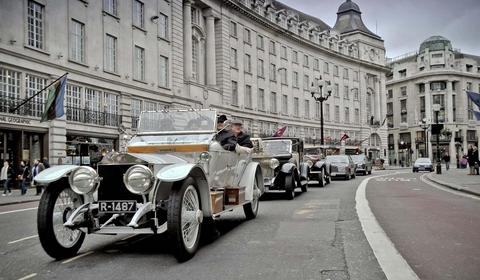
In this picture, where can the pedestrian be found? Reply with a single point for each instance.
(5, 177)
(36, 169)
(471, 160)
(476, 162)
(24, 176)
(446, 159)
(45, 162)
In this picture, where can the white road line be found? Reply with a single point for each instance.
(392, 263)
(445, 189)
(21, 239)
(19, 210)
(28, 276)
(77, 257)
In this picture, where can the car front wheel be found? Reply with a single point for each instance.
(56, 204)
(251, 209)
(184, 219)
(290, 185)
(320, 180)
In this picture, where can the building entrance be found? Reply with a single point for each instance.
(16, 146)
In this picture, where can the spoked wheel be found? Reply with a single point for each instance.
(184, 219)
(56, 205)
(251, 209)
(290, 185)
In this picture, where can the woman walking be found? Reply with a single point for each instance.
(24, 176)
(5, 176)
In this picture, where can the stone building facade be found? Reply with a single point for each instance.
(253, 60)
(436, 74)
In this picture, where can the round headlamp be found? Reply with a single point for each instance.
(309, 163)
(205, 156)
(274, 163)
(83, 180)
(138, 179)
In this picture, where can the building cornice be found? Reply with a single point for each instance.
(434, 74)
(287, 33)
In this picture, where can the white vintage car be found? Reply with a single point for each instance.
(173, 177)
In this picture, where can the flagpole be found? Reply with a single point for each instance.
(36, 94)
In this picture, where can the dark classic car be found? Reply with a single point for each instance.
(172, 179)
(364, 164)
(341, 166)
(290, 172)
(319, 168)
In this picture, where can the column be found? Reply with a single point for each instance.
(428, 116)
(449, 103)
(210, 48)
(187, 39)
(377, 100)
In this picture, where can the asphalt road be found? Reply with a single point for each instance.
(436, 231)
(315, 236)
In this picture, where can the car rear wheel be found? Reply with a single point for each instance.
(56, 204)
(320, 180)
(251, 209)
(290, 184)
(184, 219)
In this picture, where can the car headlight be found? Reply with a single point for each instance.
(205, 156)
(138, 179)
(274, 163)
(309, 163)
(83, 180)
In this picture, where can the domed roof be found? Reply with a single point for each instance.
(436, 43)
(348, 5)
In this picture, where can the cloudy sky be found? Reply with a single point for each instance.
(404, 24)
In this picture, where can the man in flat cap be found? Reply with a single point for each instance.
(242, 140)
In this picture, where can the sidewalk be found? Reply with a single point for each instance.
(16, 197)
(457, 179)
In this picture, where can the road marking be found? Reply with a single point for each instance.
(392, 263)
(28, 276)
(77, 257)
(19, 210)
(21, 239)
(445, 189)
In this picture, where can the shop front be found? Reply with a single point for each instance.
(88, 150)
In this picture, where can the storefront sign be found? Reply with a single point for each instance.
(15, 120)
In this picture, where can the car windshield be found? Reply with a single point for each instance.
(177, 121)
(311, 151)
(278, 147)
(140, 140)
(423, 160)
(337, 159)
(358, 157)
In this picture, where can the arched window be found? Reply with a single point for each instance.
(195, 58)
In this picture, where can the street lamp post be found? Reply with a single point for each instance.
(318, 96)
(424, 125)
(436, 109)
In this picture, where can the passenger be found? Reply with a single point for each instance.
(242, 140)
(224, 135)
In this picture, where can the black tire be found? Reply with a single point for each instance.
(320, 180)
(45, 226)
(354, 175)
(290, 187)
(174, 220)
(370, 172)
(328, 179)
(303, 187)
(251, 209)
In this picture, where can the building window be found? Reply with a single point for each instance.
(248, 63)
(335, 70)
(390, 93)
(247, 38)
(110, 6)
(402, 73)
(285, 104)
(295, 79)
(403, 91)
(355, 76)
(233, 58)
(470, 108)
(248, 96)
(110, 103)
(421, 88)
(261, 68)
(306, 61)
(403, 111)
(306, 82)
(347, 115)
(336, 91)
(138, 14)
(136, 110)
(283, 76)
(317, 110)
(316, 64)
(273, 72)
(233, 29)
(33, 85)
(163, 26)
(357, 115)
(73, 103)
(337, 113)
(9, 86)
(440, 99)
(283, 52)
(438, 85)
(326, 114)
(139, 72)
(272, 48)
(110, 53)
(326, 68)
(234, 93)
(149, 106)
(307, 109)
(345, 93)
(296, 106)
(345, 73)
(261, 99)
(273, 102)
(295, 56)
(163, 80)
(260, 43)
(195, 58)
(195, 16)
(356, 96)
(422, 107)
(77, 41)
(36, 25)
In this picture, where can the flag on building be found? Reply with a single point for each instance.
(280, 131)
(475, 97)
(476, 114)
(344, 137)
(54, 105)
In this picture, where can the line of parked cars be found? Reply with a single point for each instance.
(174, 178)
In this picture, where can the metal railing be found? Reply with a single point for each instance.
(32, 108)
(92, 117)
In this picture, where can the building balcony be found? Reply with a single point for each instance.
(92, 117)
(32, 108)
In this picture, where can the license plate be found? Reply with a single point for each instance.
(122, 206)
(421, 168)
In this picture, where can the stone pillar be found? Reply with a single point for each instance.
(449, 103)
(452, 149)
(210, 48)
(187, 39)
(377, 100)
(57, 138)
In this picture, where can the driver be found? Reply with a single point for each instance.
(243, 144)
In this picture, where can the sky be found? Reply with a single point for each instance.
(404, 24)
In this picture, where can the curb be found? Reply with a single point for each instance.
(452, 186)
